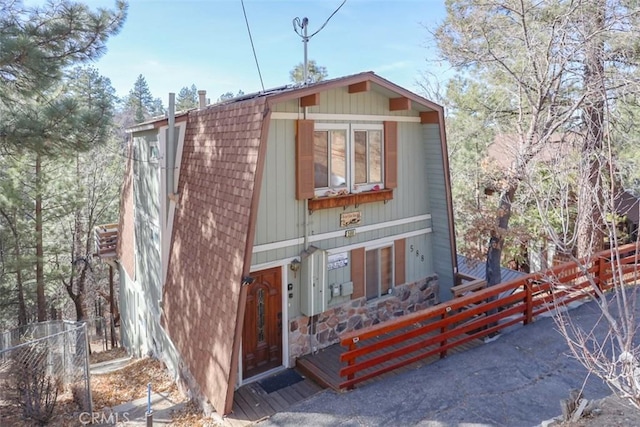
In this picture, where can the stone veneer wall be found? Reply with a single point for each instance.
(357, 314)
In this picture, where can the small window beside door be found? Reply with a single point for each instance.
(378, 272)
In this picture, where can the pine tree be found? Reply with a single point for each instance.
(187, 98)
(141, 103)
(38, 45)
(315, 72)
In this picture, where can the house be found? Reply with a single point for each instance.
(262, 228)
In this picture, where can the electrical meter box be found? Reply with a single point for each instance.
(313, 295)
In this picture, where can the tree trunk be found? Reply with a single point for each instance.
(496, 240)
(78, 303)
(17, 253)
(590, 221)
(40, 296)
(22, 309)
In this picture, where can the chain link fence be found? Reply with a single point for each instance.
(42, 360)
(103, 334)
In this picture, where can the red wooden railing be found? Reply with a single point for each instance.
(384, 347)
(106, 239)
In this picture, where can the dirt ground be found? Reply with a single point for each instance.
(611, 412)
(130, 383)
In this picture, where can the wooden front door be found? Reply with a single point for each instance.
(262, 332)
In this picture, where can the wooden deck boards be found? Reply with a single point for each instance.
(251, 403)
(321, 370)
(324, 366)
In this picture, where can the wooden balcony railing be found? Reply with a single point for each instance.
(106, 239)
(381, 348)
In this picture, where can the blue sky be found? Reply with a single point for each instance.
(176, 43)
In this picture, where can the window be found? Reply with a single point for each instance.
(368, 156)
(347, 158)
(378, 271)
(333, 159)
(330, 158)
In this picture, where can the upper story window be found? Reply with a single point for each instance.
(330, 158)
(347, 158)
(368, 157)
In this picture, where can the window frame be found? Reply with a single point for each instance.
(328, 127)
(351, 129)
(356, 188)
(378, 248)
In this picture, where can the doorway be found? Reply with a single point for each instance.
(262, 332)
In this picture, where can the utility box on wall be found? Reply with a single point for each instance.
(313, 295)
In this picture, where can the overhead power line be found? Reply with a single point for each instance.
(304, 26)
(252, 46)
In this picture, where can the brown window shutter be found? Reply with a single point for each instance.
(357, 272)
(399, 248)
(390, 154)
(304, 160)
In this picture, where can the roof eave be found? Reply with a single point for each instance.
(346, 81)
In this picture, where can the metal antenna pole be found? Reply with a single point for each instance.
(305, 40)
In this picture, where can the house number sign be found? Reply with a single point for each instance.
(350, 218)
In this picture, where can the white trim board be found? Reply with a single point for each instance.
(339, 233)
(369, 243)
(350, 117)
(168, 215)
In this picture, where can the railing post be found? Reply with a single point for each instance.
(528, 303)
(601, 271)
(352, 361)
(443, 330)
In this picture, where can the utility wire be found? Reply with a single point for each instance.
(297, 21)
(330, 16)
(252, 46)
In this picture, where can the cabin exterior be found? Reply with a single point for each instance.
(263, 228)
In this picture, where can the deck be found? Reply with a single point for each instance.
(320, 371)
(251, 403)
(324, 366)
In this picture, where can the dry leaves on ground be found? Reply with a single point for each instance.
(611, 412)
(130, 383)
(103, 356)
(191, 416)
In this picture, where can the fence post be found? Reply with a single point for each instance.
(352, 361)
(87, 377)
(443, 330)
(528, 304)
(601, 271)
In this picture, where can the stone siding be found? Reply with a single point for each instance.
(307, 334)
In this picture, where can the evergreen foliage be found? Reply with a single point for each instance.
(315, 72)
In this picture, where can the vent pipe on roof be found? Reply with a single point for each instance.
(202, 99)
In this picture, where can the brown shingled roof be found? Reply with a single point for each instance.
(210, 239)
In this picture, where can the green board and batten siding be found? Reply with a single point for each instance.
(139, 298)
(439, 211)
(281, 216)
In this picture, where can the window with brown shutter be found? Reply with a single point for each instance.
(304, 160)
(390, 154)
(378, 271)
(346, 164)
(399, 248)
(357, 272)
